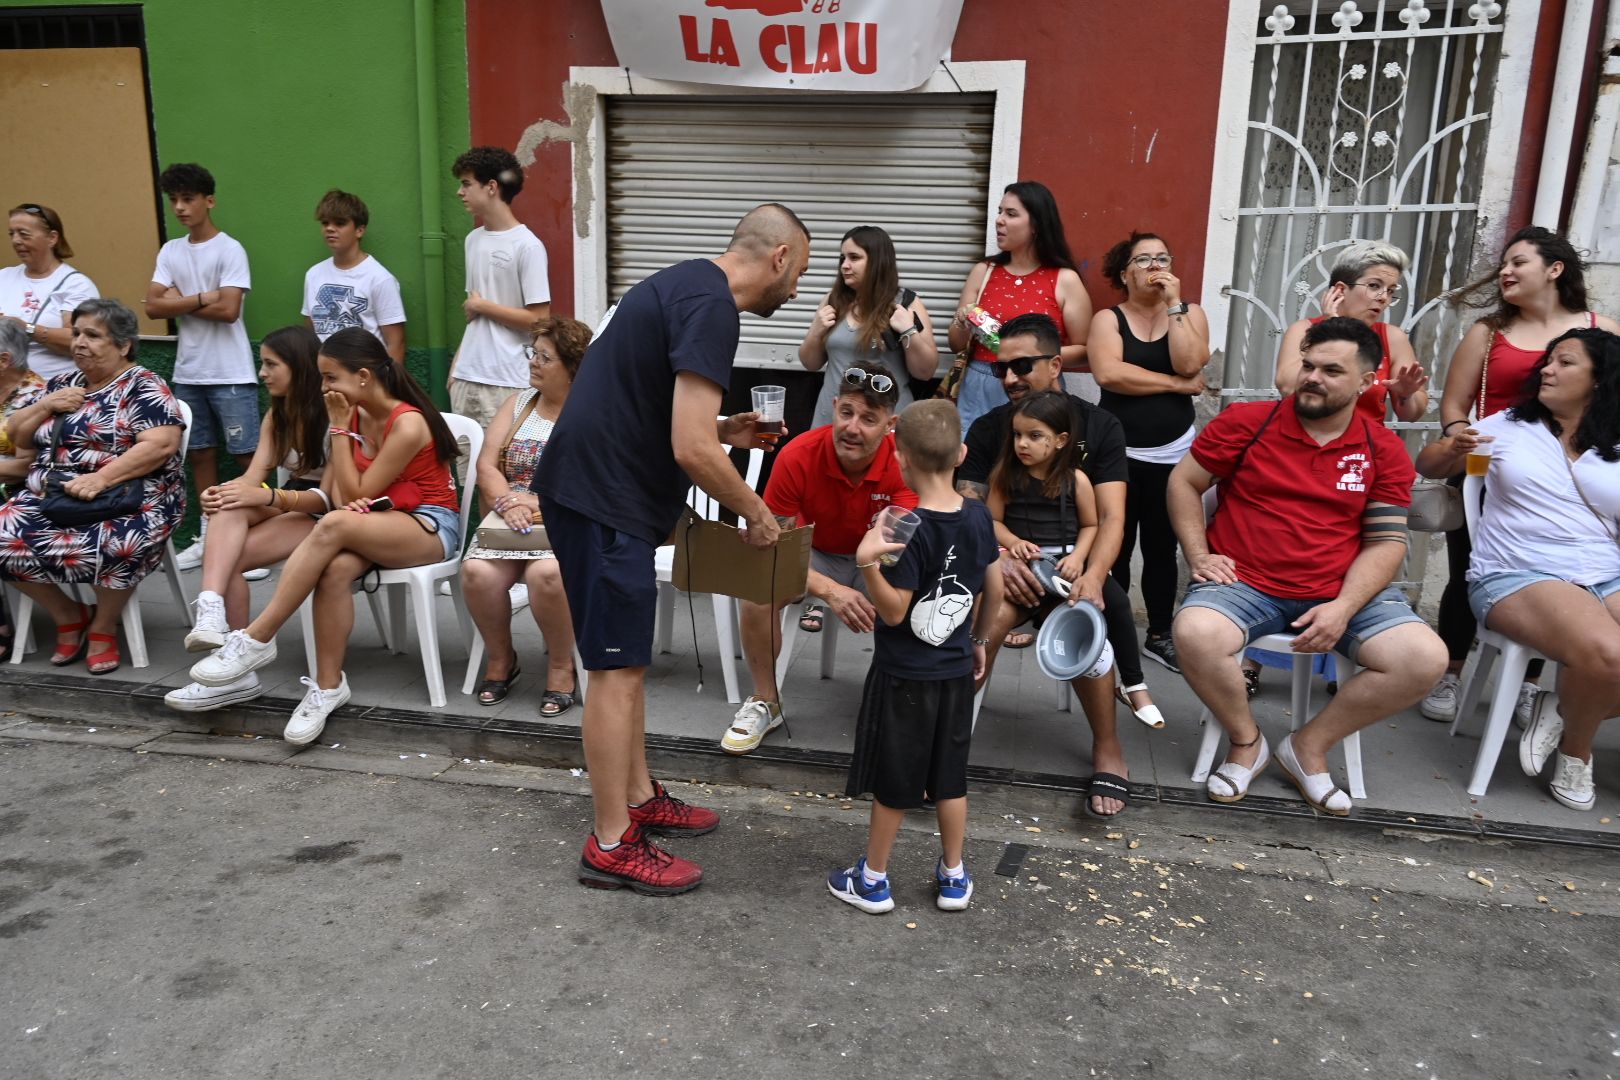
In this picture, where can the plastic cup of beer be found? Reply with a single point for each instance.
(1479, 459)
(896, 525)
(770, 403)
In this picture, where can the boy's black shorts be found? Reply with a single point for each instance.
(911, 740)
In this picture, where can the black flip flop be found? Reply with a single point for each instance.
(497, 689)
(562, 699)
(1107, 786)
(810, 622)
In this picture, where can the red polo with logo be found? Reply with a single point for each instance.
(808, 483)
(1290, 512)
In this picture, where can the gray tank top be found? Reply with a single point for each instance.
(843, 349)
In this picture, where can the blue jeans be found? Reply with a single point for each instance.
(981, 392)
(1259, 614)
(228, 409)
(1492, 589)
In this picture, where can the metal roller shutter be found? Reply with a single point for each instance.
(682, 170)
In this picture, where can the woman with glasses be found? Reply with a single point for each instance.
(1537, 294)
(1364, 284)
(868, 318)
(1032, 271)
(41, 291)
(506, 466)
(1149, 360)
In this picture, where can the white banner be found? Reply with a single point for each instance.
(787, 44)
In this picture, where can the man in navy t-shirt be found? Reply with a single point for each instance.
(638, 431)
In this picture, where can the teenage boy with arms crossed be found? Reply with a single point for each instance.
(639, 429)
(200, 281)
(507, 289)
(916, 719)
(352, 288)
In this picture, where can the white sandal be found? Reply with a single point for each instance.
(1318, 789)
(1238, 777)
(1571, 782)
(1149, 714)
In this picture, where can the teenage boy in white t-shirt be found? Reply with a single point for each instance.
(200, 281)
(352, 288)
(507, 289)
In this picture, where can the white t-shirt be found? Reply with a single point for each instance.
(58, 293)
(1534, 519)
(365, 295)
(508, 268)
(210, 353)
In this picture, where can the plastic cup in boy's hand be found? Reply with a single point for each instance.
(770, 403)
(896, 525)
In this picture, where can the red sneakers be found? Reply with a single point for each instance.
(637, 863)
(669, 816)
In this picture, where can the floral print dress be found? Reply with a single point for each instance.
(113, 554)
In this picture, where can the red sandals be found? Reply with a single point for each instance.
(108, 659)
(67, 654)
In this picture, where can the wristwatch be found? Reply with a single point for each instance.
(28, 328)
(1179, 309)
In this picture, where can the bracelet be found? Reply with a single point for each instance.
(1448, 427)
(336, 431)
(907, 335)
(866, 565)
(981, 642)
(272, 491)
(200, 304)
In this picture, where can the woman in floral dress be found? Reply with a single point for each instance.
(119, 422)
(505, 477)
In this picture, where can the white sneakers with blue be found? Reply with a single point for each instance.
(849, 885)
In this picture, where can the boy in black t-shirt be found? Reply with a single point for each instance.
(916, 720)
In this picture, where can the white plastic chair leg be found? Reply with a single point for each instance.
(394, 601)
(22, 614)
(1476, 673)
(978, 703)
(427, 637)
(135, 632)
(171, 570)
(306, 621)
(1209, 743)
(726, 643)
(475, 661)
(1515, 658)
(790, 636)
(1063, 689)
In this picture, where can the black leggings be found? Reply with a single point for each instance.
(1147, 514)
(1122, 633)
(1457, 623)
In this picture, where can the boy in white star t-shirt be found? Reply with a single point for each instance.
(352, 288)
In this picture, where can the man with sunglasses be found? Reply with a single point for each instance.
(837, 478)
(1028, 363)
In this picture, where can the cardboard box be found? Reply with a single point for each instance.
(711, 558)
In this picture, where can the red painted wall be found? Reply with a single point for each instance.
(1106, 85)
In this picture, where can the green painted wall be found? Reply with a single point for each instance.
(283, 100)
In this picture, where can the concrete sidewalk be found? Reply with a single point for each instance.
(184, 907)
(1416, 774)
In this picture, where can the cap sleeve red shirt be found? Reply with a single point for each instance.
(1289, 515)
(808, 483)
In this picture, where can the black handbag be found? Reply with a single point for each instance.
(60, 508)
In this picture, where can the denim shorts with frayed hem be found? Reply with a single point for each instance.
(1492, 589)
(1259, 614)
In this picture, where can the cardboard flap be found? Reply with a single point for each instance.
(711, 558)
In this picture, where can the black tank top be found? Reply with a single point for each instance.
(1048, 522)
(1149, 420)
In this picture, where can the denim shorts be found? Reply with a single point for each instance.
(231, 409)
(1491, 589)
(1259, 614)
(449, 526)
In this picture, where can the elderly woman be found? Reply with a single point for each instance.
(38, 293)
(19, 388)
(512, 448)
(109, 425)
(1148, 355)
(1545, 568)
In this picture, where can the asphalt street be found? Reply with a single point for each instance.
(178, 912)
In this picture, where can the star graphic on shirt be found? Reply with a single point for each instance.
(337, 307)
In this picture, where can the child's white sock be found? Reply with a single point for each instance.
(952, 871)
(873, 877)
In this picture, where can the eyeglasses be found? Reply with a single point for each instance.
(1378, 290)
(877, 383)
(1020, 366)
(530, 352)
(1162, 261)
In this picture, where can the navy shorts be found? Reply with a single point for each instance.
(611, 585)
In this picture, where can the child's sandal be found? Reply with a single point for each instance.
(67, 654)
(108, 659)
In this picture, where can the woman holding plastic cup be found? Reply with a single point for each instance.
(868, 317)
(1537, 293)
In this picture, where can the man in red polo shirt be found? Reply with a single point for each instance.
(1308, 532)
(837, 478)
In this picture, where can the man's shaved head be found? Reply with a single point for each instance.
(767, 227)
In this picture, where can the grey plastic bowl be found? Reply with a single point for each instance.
(1070, 641)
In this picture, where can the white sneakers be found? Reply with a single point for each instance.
(310, 717)
(1541, 736)
(191, 557)
(1441, 703)
(209, 630)
(1571, 782)
(195, 697)
(237, 655)
(755, 720)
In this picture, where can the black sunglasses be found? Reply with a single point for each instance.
(1020, 367)
(878, 384)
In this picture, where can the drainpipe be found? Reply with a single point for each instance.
(1560, 137)
(1583, 216)
(429, 166)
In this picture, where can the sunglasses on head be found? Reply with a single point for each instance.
(878, 384)
(1020, 367)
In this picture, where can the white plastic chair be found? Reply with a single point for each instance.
(1515, 661)
(419, 584)
(134, 627)
(727, 638)
(1301, 712)
(830, 625)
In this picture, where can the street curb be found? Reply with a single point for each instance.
(558, 746)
